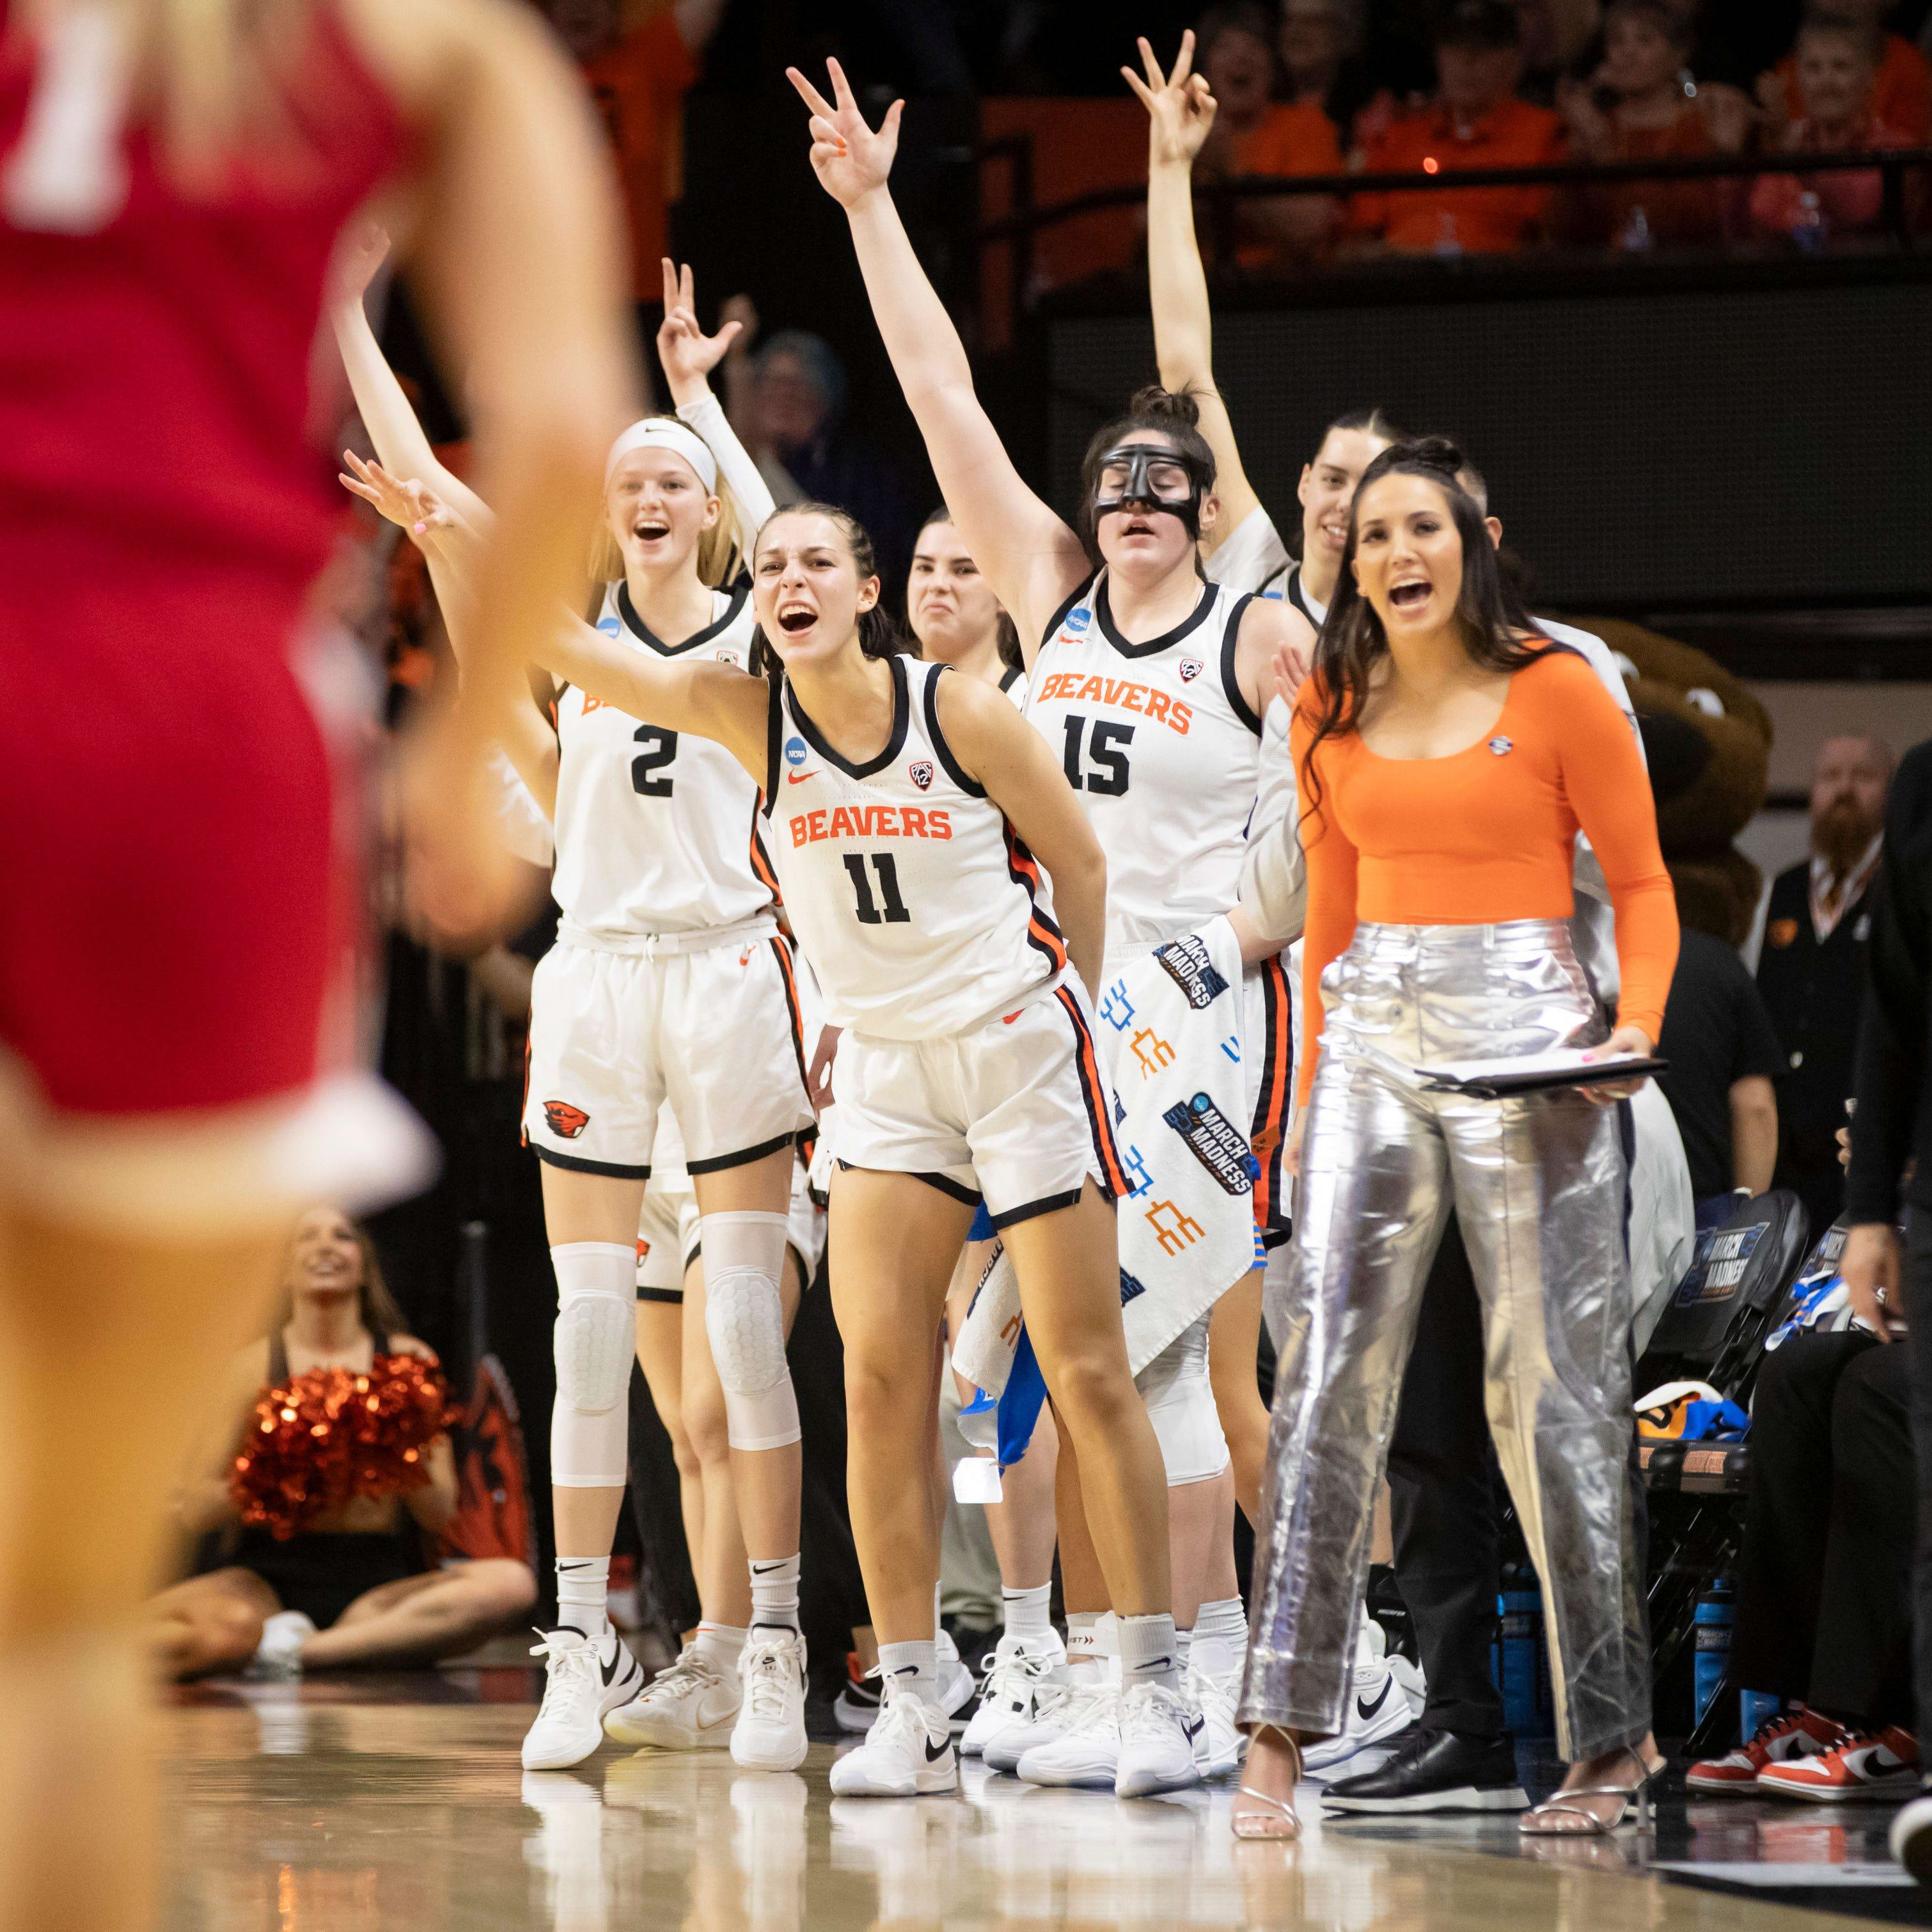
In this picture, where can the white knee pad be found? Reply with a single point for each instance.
(744, 1320)
(1180, 1402)
(596, 1342)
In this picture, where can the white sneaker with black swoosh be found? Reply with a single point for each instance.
(584, 1681)
(769, 1733)
(1378, 1707)
(908, 1753)
(1160, 1734)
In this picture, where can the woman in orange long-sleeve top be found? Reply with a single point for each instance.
(1447, 758)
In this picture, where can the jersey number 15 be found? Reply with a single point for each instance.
(1107, 768)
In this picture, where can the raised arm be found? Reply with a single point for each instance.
(1180, 112)
(1032, 560)
(1005, 754)
(688, 356)
(393, 425)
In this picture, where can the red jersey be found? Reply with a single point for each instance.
(176, 907)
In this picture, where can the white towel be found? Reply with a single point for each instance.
(1171, 1033)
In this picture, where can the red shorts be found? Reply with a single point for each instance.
(173, 910)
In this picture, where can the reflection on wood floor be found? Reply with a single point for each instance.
(290, 1813)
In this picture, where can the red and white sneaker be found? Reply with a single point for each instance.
(1862, 1764)
(1790, 1734)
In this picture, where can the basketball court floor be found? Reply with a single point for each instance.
(398, 1805)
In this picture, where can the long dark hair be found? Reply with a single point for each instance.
(1352, 639)
(1172, 413)
(1009, 635)
(879, 635)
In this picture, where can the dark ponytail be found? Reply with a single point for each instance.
(1173, 413)
(879, 635)
(1352, 639)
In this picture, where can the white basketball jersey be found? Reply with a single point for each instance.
(657, 831)
(1164, 752)
(920, 909)
(1013, 682)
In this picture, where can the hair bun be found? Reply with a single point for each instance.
(1174, 405)
(1430, 452)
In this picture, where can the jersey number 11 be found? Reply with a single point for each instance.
(887, 869)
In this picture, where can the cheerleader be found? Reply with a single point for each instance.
(669, 979)
(1445, 760)
(925, 839)
(1114, 656)
(178, 1063)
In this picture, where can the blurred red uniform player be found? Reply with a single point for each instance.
(173, 175)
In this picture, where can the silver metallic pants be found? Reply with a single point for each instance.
(1538, 1185)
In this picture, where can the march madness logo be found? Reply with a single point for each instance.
(1190, 669)
(564, 1120)
(1186, 962)
(1215, 1142)
(921, 774)
(1718, 1263)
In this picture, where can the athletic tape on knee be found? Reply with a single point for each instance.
(595, 1341)
(744, 1320)
(1180, 1398)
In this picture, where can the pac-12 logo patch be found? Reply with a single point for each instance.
(1190, 669)
(1186, 963)
(1215, 1142)
(1502, 747)
(1077, 621)
(564, 1120)
(920, 773)
(794, 751)
(734, 659)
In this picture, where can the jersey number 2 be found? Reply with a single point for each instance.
(655, 750)
(1108, 774)
(887, 868)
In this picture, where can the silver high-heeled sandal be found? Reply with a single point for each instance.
(1565, 1803)
(1279, 1823)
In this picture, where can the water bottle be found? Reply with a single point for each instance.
(1637, 238)
(1810, 231)
(1522, 1669)
(1717, 1611)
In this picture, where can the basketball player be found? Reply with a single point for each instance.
(670, 978)
(1169, 801)
(956, 619)
(908, 804)
(176, 1033)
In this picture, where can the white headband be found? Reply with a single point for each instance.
(661, 432)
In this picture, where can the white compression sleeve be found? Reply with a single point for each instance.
(744, 1320)
(596, 1341)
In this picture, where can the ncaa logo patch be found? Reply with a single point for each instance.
(1077, 621)
(920, 773)
(1502, 747)
(1190, 669)
(610, 627)
(564, 1120)
(794, 751)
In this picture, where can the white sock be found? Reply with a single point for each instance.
(1028, 1613)
(775, 1594)
(917, 1664)
(1148, 1651)
(1184, 1643)
(938, 1622)
(1084, 1656)
(1224, 1625)
(583, 1594)
(719, 1644)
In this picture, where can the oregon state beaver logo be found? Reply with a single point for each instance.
(921, 773)
(564, 1120)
